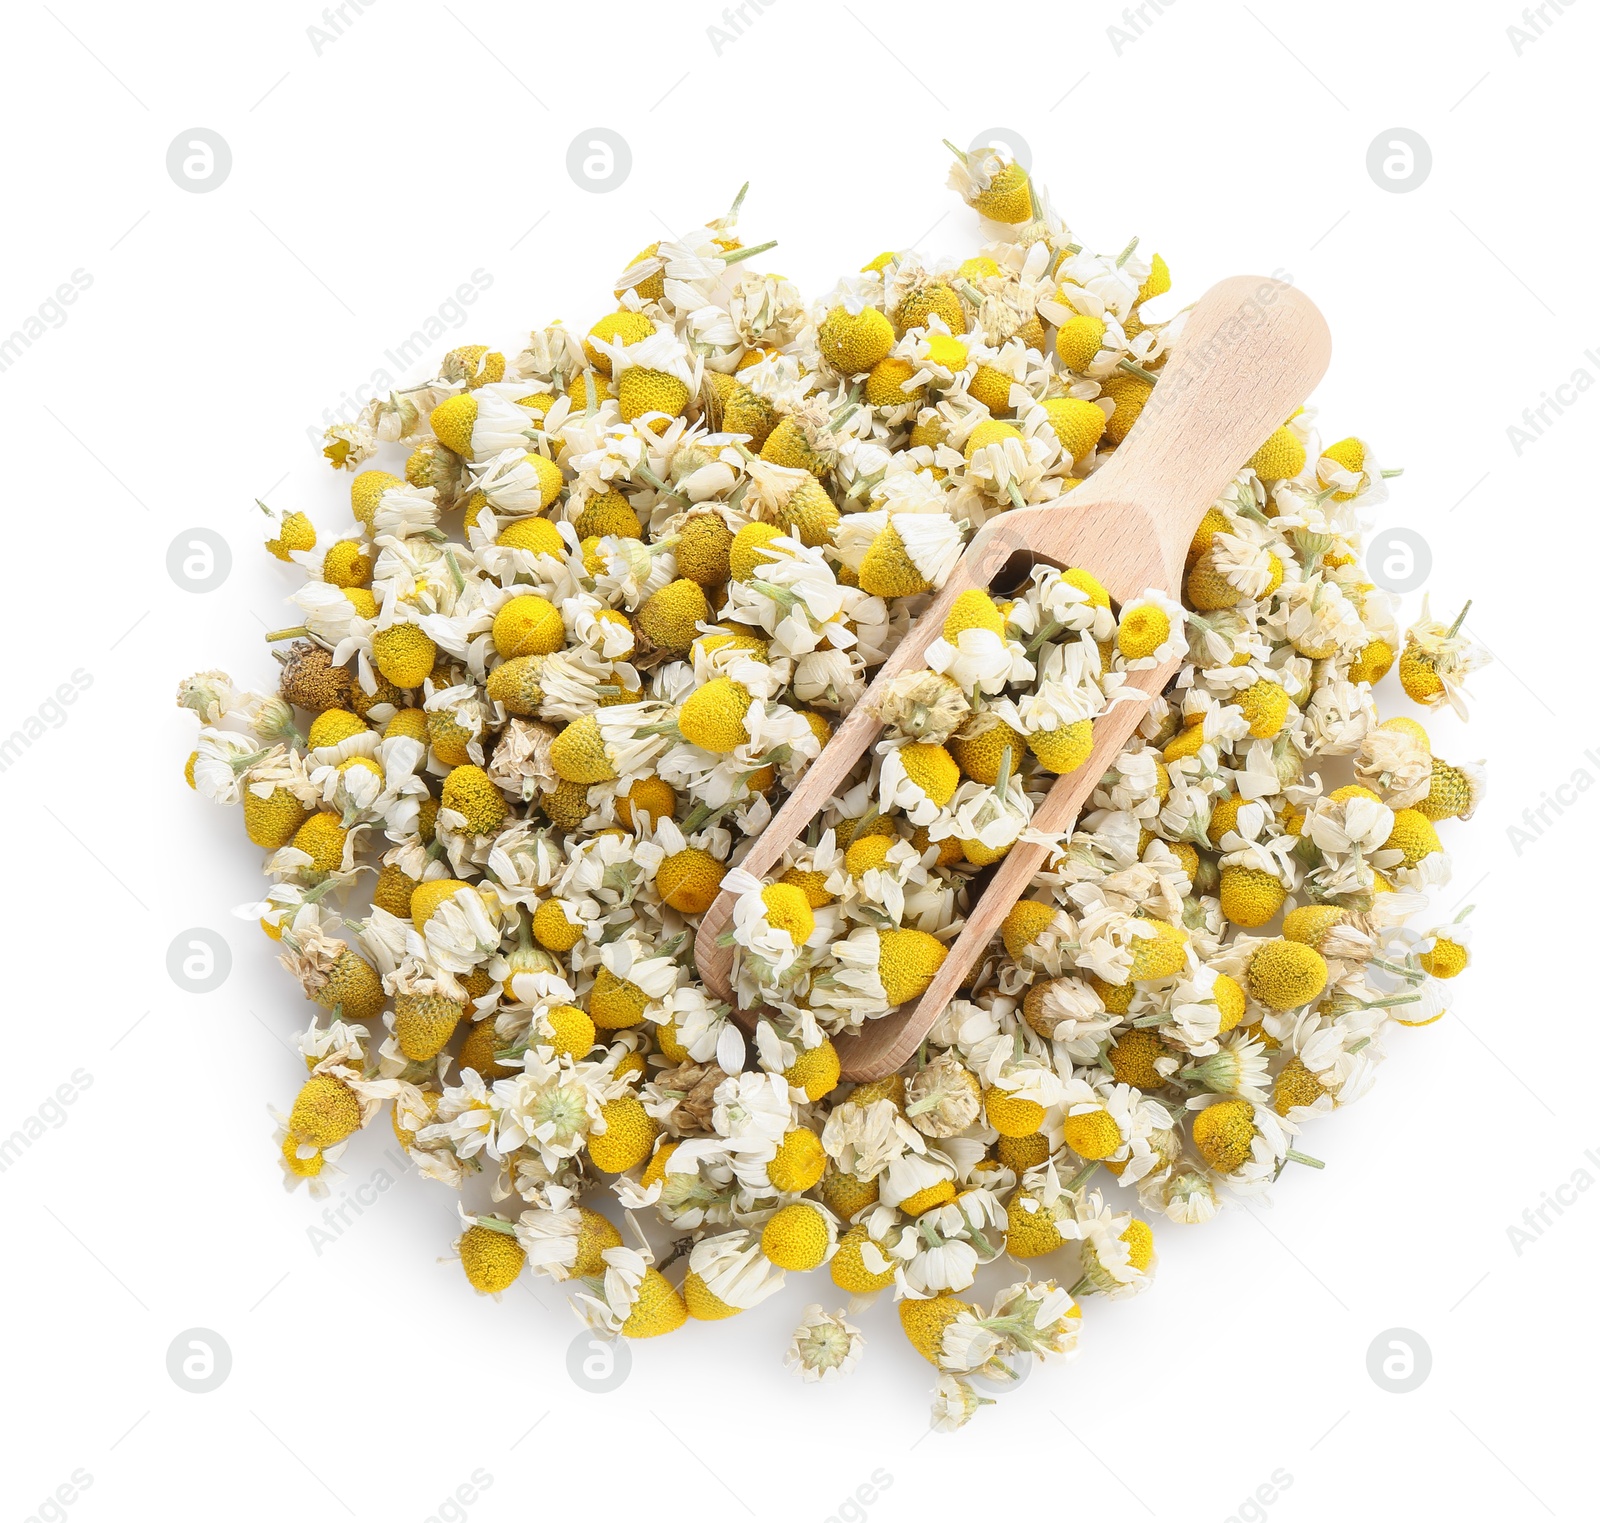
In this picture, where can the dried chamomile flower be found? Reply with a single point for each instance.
(824, 1346)
(1437, 660)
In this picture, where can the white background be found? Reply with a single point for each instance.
(369, 180)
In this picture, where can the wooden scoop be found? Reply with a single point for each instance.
(1249, 354)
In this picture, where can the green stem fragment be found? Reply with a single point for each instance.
(731, 216)
(759, 248)
(1082, 1176)
(1132, 369)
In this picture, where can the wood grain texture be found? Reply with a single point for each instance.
(1250, 352)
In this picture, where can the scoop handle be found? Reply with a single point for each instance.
(1249, 352)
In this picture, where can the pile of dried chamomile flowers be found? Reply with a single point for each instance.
(558, 668)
